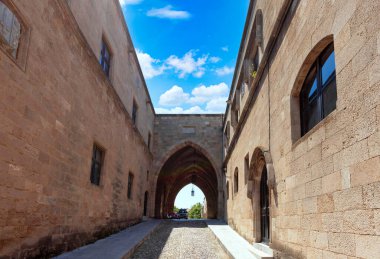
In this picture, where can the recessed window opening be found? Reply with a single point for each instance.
(318, 95)
(130, 185)
(10, 30)
(134, 112)
(236, 181)
(105, 58)
(96, 165)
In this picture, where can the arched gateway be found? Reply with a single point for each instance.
(187, 165)
(188, 151)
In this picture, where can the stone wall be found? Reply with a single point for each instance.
(173, 132)
(327, 183)
(51, 114)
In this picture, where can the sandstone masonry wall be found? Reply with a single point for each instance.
(50, 115)
(327, 183)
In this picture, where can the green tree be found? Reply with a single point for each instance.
(175, 209)
(196, 211)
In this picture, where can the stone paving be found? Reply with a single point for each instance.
(181, 239)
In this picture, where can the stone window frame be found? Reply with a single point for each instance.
(95, 174)
(131, 177)
(23, 44)
(295, 109)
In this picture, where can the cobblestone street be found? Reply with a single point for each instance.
(181, 239)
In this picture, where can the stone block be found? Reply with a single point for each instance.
(325, 203)
(367, 246)
(310, 205)
(332, 222)
(371, 195)
(365, 172)
(318, 239)
(314, 188)
(342, 243)
(331, 183)
(348, 199)
(359, 222)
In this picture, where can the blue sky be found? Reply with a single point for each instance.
(185, 200)
(187, 50)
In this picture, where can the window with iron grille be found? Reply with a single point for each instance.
(134, 112)
(105, 59)
(10, 30)
(96, 165)
(130, 185)
(318, 95)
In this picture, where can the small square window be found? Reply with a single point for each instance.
(105, 59)
(130, 185)
(96, 164)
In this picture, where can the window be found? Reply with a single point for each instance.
(105, 59)
(96, 165)
(228, 189)
(227, 135)
(246, 168)
(236, 181)
(10, 30)
(149, 140)
(147, 175)
(130, 185)
(318, 95)
(134, 112)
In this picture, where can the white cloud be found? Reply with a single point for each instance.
(212, 97)
(149, 65)
(217, 105)
(175, 96)
(215, 59)
(167, 12)
(203, 94)
(224, 71)
(188, 64)
(225, 48)
(129, 2)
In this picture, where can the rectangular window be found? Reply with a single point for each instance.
(105, 59)
(130, 185)
(134, 112)
(149, 140)
(96, 165)
(147, 175)
(246, 168)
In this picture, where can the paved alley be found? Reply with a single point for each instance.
(181, 239)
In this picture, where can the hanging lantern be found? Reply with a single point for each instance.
(192, 191)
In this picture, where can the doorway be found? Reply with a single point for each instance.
(264, 207)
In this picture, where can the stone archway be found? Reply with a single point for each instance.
(259, 190)
(187, 164)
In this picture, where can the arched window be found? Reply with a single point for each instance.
(236, 181)
(10, 30)
(318, 95)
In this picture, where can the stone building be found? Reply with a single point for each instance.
(293, 165)
(302, 129)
